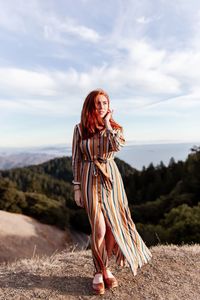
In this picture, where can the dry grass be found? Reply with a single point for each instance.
(22, 237)
(173, 273)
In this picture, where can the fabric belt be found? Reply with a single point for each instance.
(100, 169)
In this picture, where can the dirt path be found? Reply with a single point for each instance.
(173, 273)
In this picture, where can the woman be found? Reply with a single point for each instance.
(98, 187)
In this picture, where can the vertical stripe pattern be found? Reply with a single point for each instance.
(129, 246)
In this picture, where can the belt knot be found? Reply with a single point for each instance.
(107, 181)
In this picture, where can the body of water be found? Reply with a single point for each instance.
(142, 155)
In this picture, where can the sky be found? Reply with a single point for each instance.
(144, 54)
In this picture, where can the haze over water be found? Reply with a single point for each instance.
(142, 155)
(135, 155)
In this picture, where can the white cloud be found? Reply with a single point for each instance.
(160, 75)
(184, 65)
(143, 20)
(55, 29)
(18, 82)
(32, 17)
(147, 20)
(10, 19)
(81, 31)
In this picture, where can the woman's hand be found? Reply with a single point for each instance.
(77, 198)
(107, 118)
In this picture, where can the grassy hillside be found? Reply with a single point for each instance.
(173, 273)
(21, 236)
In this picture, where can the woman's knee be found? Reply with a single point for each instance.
(101, 227)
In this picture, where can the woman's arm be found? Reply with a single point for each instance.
(76, 157)
(116, 139)
(115, 136)
(76, 167)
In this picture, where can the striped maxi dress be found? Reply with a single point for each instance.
(102, 189)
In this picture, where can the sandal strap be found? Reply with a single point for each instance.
(106, 269)
(97, 272)
(101, 272)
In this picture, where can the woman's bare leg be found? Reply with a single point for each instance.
(104, 232)
(100, 235)
(109, 240)
(101, 230)
(105, 239)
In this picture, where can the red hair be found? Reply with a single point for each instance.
(91, 122)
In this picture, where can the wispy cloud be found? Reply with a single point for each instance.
(56, 30)
(147, 20)
(30, 16)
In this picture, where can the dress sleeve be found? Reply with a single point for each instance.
(116, 139)
(76, 157)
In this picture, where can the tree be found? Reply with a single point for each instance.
(183, 224)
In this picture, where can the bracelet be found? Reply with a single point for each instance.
(76, 188)
(76, 182)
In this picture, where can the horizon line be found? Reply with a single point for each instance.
(128, 143)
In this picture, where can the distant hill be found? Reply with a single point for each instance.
(22, 157)
(19, 160)
(24, 237)
(173, 273)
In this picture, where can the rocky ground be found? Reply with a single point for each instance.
(172, 273)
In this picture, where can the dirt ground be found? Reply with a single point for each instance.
(172, 273)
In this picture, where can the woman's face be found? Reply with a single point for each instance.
(102, 105)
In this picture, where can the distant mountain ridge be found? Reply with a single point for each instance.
(137, 155)
(23, 159)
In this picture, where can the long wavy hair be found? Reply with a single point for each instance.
(91, 122)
